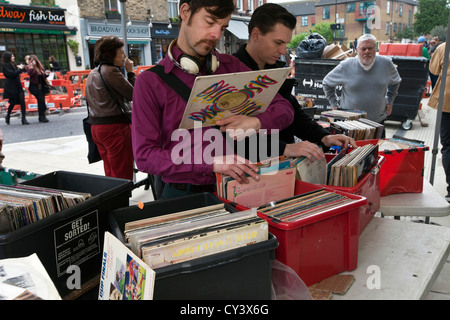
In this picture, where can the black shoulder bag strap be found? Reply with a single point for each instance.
(112, 95)
(173, 81)
(184, 91)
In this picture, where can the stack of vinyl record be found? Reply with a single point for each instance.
(164, 240)
(22, 205)
(303, 205)
(346, 169)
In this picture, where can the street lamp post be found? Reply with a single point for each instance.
(124, 25)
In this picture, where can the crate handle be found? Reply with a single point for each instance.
(375, 170)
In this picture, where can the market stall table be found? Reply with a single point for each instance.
(403, 258)
(429, 203)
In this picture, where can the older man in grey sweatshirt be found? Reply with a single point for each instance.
(369, 82)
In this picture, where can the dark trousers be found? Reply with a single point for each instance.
(433, 79)
(170, 193)
(20, 100)
(40, 97)
(445, 141)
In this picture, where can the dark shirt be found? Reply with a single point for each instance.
(12, 84)
(55, 66)
(303, 126)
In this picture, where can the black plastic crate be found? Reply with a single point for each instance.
(242, 273)
(74, 235)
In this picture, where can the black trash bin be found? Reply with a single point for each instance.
(414, 74)
(309, 74)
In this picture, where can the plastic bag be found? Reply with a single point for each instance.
(312, 47)
(286, 284)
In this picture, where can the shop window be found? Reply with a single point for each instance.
(136, 54)
(42, 45)
(161, 46)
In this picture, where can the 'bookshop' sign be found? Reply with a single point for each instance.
(18, 14)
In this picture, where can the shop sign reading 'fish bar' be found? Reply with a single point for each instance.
(21, 14)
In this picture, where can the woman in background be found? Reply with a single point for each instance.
(107, 100)
(54, 65)
(38, 87)
(13, 90)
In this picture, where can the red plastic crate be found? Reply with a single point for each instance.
(402, 171)
(369, 187)
(401, 49)
(322, 245)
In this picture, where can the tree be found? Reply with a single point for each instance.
(431, 13)
(322, 28)
(406, 33)
(441, 32)
(296, 40)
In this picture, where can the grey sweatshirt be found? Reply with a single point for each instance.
(369, 91)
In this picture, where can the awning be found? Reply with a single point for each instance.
(37, 28)
(239, 29)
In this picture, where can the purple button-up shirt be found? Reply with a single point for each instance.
(157, 113)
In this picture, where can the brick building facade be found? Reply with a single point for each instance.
(382, 18)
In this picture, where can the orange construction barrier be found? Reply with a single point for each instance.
(63, 97)
(76, 77)
(55, 101)
(70, 89)
(427, 91)
(141, 68)
(83, 88)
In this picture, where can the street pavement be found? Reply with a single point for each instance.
(68, 153)
(65, 151)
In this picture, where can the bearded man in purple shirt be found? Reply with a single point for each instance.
(158, 109)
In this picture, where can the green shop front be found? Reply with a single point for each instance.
(35, 30)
